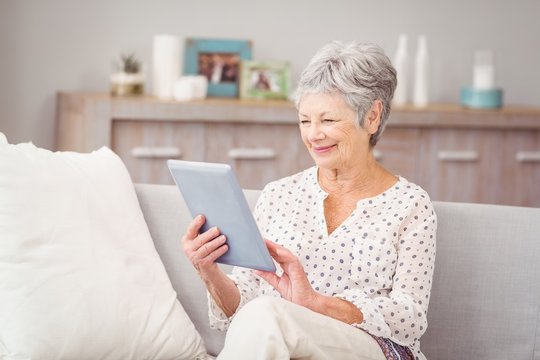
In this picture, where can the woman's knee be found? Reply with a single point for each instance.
(257, 317)
(257, 330)
(262, 306)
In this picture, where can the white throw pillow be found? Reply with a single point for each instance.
(79, 274)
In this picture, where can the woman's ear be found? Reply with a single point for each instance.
(373, 117)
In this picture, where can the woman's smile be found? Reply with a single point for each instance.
(323, 149)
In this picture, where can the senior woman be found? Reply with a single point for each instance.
(355, 243)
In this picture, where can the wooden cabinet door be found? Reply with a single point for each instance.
(521, 176)
(259, 153)
(397, 150)
(145, 146)
(462, 165)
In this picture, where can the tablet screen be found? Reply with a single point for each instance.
(212, 190)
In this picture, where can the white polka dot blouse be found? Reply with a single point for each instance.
(381, 258)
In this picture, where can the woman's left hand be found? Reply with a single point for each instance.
(293, 284)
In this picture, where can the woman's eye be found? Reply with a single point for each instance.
(304, 122)
(328, 120)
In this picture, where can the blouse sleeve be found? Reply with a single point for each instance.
(401, 314)
(245, 279)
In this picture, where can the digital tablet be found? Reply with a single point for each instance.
(212, 190)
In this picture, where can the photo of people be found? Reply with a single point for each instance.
(219, 67)
(265, 80)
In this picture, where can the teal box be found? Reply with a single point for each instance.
(481, 98)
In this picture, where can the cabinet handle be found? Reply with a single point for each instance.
(252, 154)
(528, 156)
(156, 152)
(458, 156)
(377, 154)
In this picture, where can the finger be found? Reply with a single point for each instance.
(205, 237)
(201, 262)
(210, 247)
(279, 253)
(194, 227)
(271, 246)
(269, 277)
(214, 255)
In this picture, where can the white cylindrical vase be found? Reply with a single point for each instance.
(421, 74)
(165, 65)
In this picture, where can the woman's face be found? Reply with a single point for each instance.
(330, 131)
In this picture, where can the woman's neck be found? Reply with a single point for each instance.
(364, 180)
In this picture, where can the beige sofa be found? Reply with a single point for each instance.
(486, 295)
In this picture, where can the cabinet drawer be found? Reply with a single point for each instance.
(521, 173)
(258, 153)
(397, 150)
(145, 146)
(461, 165)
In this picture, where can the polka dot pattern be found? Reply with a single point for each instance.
(380, 258)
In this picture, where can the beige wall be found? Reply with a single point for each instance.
(52, 45)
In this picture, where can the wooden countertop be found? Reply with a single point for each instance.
(149, 108)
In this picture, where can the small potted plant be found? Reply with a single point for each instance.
(127, 77)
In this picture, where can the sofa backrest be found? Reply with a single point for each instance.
(485, 301)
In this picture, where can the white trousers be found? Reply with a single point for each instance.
(274, 329)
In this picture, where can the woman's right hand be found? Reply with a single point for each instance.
(202, 250)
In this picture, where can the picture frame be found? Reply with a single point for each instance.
(265, 80)
(219, 60)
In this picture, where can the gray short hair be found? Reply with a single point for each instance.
(361, 72)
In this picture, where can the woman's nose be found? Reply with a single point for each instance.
(315, 132)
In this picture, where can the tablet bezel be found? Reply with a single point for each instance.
(212, 189)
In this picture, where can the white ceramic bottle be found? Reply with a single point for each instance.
(421, 74)
(401, 64)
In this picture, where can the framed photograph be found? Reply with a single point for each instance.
(218, 60)
(265, 80)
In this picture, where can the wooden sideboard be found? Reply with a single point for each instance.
(488, 156)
